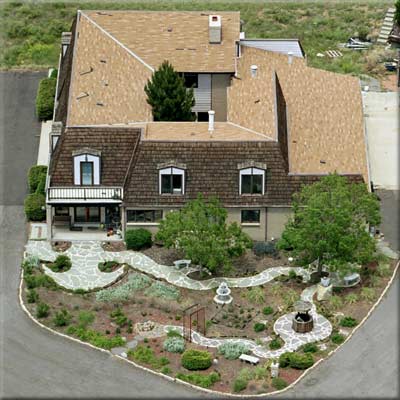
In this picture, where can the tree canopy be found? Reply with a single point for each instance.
(168, 96)
(397, 13)
(201, 231)
(330, 223)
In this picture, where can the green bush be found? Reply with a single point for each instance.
(137, 239)
(119, 317)
(61, 264)
(42, 310)
(275, 344)
(233, 350)
(296, 360)
(85, 318)
(37, 178)
(32, 296)
(259, 327)
(367, 293)
(196, 359)
(310, 348)
(62, 318)
(54, 73)
(239, 384)
(337, 338)
(45, 98)
(107, 266)
(174, 345)
(204, 381)
(348, 322)
(173, 333)
(165, 370)
(279, 383)
(34, 205)
(267, 310)
(96, 338)
(262, 248)
(146, 355)
(255, 295)
(42, 280)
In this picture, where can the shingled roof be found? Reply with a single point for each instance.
(115, 144)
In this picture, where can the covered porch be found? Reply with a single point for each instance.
(63, 233)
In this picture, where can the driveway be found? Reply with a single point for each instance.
(381, 110)
(38, 364)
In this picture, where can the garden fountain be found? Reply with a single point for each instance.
(302, 321)
(223, 294)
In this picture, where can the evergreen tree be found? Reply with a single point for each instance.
(168, 96)
(397, 13)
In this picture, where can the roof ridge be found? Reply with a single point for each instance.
(251, 130)
(116, 41)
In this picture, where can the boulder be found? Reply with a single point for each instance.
(324, 292)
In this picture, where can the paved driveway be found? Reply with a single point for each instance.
(381, 111)
(35, 363)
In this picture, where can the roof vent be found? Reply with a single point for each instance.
(290, 57)
(214, 28)
(211, 115)
(253, 70)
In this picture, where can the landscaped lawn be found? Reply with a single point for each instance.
(32, 32)
(107, 318)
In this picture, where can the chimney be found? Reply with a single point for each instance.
(65, 41)
(253, 70)
(214, 28)
(211, 114)
(56, 130)
(290, 57)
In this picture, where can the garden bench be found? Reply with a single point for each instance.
(249, 359)
(182, 263)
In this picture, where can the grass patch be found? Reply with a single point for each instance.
(204, 381)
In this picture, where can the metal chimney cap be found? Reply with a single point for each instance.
(253, 67)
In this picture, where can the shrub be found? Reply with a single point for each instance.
(367, 293)
(119, 317)
(174, 345)
(259, 327)
(383, 270)
(233, 350)
(348, 322)
(107, 266)
(32, 296)
(42, 310)
(275, 344)
(61, 264)
(96, 338)
(204, 381)
(335, 302)
(310, 348)
(173, 333)
(36, 175)
(33, 207)
(351, 298)
(159, 289)
(146, 355)
(137, 239)
(165, 370)
(262, 248)
(62, 318)
(196, 359)
(45, 98)
(296, 360)
(267, 310)
(292, 274)
(337, 338)
(279, 383)
(239, 384)
(255, 295)
(85, 318)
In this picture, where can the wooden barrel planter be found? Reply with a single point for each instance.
(302, 321)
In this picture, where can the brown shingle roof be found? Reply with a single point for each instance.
(180, 37)
(115, 144)
(212, 169)
(324, 111)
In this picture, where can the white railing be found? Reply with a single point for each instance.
(97, 193)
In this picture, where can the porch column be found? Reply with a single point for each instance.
(49, 218)
(123, 220)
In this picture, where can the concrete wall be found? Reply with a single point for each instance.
(276, 220)
(219, 84)
(255, 231)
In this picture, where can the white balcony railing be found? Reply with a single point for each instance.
(102, 194)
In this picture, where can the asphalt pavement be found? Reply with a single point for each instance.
(35, 363)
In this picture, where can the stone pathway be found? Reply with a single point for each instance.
(85, 274)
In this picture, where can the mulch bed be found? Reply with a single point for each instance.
(60, 246)
(113, 246)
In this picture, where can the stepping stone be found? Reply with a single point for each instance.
(118, 350)
(132, 344)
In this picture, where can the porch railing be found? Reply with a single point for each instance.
(101, 193)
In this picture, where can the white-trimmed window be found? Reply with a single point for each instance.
(86, 170)
(172, 180)
(252, 181)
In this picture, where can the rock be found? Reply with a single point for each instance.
(344, 332)
(215, 361)
(132, 344)
(320, 55)
(123, 354)
(323, 293)
(118, 350)
(322, 346)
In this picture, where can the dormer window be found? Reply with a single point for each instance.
(86, 169)
(172, 180)
(252, 181)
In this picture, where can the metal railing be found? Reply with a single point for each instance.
(85, 193)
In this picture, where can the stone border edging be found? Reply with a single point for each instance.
(198, 388)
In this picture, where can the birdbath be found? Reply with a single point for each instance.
(223, 294)
(302, 321)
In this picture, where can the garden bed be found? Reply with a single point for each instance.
(109, 323)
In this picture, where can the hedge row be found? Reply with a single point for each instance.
(45, 98)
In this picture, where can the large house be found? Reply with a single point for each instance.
(266, 123)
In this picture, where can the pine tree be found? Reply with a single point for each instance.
(168, 96)
(397, 13)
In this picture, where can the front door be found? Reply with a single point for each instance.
(87, 214)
